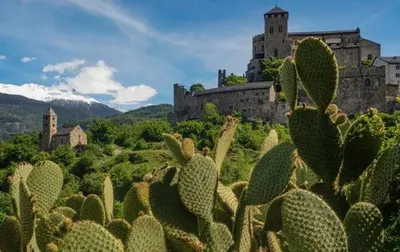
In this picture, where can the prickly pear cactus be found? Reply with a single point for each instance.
(120, 228)
(364, 228)
(45, 181)
(318, 71)
(269, 142)
(50, 229)
(271, 174)
(288, 80)
(10, 235)
(197, 185)
(146, 235)
(225, 140)
(309, 224)
(107, 196)
(21, 173)
(318, 141)
(217, 237)
(175, 147)
(382, 176)
(27, 203)
(88, 236)
(136, 202)
(75, 202)
(93, 210)
(67, 212)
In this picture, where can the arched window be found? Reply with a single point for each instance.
(276, 53)
(280, 29)
(367, 82)
(271, 29)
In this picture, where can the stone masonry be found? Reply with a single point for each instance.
(359, 87)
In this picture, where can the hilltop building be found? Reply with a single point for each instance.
(361, 83)
(52, 137)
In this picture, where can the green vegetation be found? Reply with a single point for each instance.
(216, 184)
(233, 80)
(270, 69)
(197, 87)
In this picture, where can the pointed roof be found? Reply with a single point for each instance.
(50, 111)
(276, 10)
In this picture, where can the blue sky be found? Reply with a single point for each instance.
(129, 53)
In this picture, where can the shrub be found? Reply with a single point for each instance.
(63, 156)
(84, 165)
(109, 149)
(136, 158)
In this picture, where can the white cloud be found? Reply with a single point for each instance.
(43, 76)
(63, 66)
(2, 57)
(57, 77)
(98, 80)
(28, 59)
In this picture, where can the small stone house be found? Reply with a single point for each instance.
(52, 137)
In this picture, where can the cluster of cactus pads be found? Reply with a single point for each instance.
(322, 192)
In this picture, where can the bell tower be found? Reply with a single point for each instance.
(276, 42)
(49, 128)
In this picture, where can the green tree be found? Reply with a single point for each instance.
(233, 80)
(210, 113)
(63, 156)
(270, 69)
(197, 87)
(102, 131)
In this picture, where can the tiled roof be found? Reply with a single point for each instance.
(323, 32)
(248, 86)
(391, 60)
(64, 131)
(276, 10)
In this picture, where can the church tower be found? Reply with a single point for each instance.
(276, 42)
(49, 128)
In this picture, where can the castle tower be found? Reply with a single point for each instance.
(276, 42)
(49, 128)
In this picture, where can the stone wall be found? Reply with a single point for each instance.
(369, 49)
(77, 136)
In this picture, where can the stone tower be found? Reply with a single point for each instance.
(276, 42)
(49, 128)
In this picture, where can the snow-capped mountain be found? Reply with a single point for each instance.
(43, 93)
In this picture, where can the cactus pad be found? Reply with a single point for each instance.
(107, 196)
(27, 205)
(288, 80)
(242, 230)
(238, 187)
(318, 71)
(75, 202)
(271, 174)
(187, 148)
(224, 141)
(49, 230)
(217, 237)
(136, 201)
(67, 212)
(363, 139)
(318, 142)
(93, 210)
(383, 173)
(88, 236)
(364, 228)
(274, 244)
(269, 142)
(169, 210)
(197, 185)
(120, 228)
(147, 235)
(179, 240)
(21, 173)
(228, 199)
(45, 181)
(175, 147)
(10, 235)
(309, 224)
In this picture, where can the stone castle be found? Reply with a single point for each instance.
(360, 86)
(52, 137)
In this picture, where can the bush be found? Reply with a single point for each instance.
(102, 132)
(121, 179)
(152, 130)
(85, 164)
(141, 145)
(136, 158)
(122, 157)
(283, 133)
(92, 183)
(250, 135)
(109, 149)
(63, 156)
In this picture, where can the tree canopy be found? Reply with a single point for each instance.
(196, 87)
(270, 69)
(232, 80)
